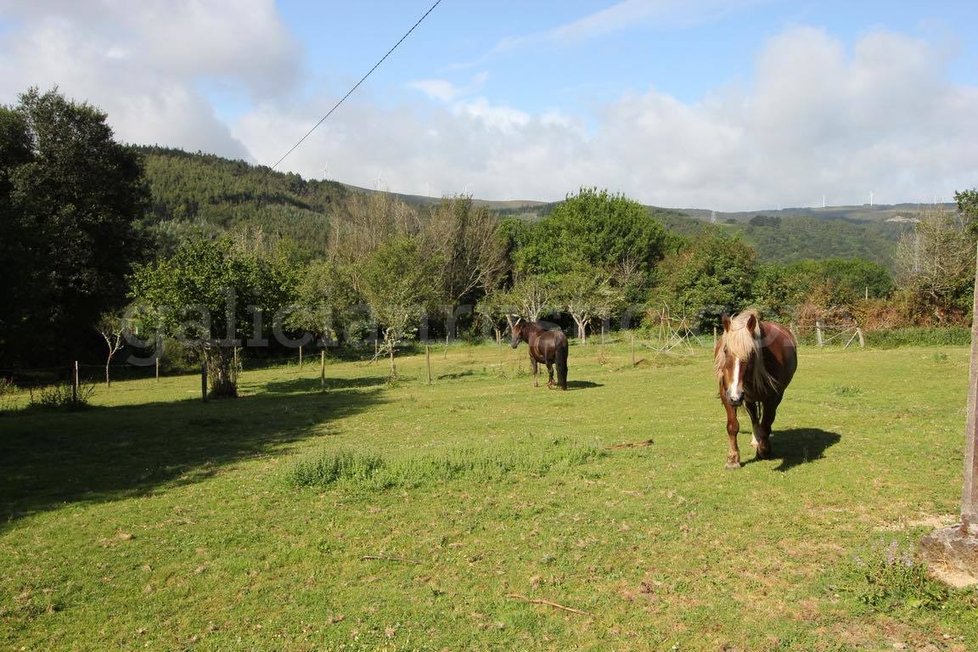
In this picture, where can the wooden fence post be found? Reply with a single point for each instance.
(74, 383)
(862, 340)
(427, 358)
(203, 379)
(157, 367)
(957, 546)
(322, 370)
(633, 348)
(818, 333)
(300, 356)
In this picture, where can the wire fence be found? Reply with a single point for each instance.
(75, 382)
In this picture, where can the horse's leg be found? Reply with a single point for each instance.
(759, 440)
(767, 420)
(733, 427)
(536, 370)
(550, 374)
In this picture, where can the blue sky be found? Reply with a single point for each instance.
(726, 104)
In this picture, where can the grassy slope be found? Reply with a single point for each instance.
(158, 521)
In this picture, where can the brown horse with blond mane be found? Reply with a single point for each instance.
(754, 362)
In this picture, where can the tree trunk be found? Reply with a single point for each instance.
(107, 379)
(581, 328)
(221, 374)
(389, 342)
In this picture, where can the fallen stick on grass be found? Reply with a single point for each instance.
(634, 444)
(383, 558)
(555, 605)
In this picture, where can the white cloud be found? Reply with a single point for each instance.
(622, 15)
(497, 118)
(817, 119)
(144, 63)
(436, 89)
(629, 13)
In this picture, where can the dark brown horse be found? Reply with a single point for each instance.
(754, 362)
(546, 346)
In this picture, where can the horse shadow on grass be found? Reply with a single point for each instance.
(582, 384)
(102, 454)
(797, 446)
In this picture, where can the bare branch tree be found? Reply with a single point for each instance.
(936, 262)
(113, 326)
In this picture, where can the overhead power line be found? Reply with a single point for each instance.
(357, 85)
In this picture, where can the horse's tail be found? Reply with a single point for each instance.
(562, 363)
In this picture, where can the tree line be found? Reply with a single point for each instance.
(98, 238)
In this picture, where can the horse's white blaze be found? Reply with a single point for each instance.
(734, 390)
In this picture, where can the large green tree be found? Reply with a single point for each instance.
(401, 285)
(593, 228)
(70, 196)
(324, 299)
(466, 239)
(712, 274)
(215, 297)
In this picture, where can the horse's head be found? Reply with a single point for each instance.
(736, 356)
(517, 332)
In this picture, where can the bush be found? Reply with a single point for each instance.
(892, 578)
(7, 390)
(61, 397)
(917, 336)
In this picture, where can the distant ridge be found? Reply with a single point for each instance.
(855, 213)
(194, 192)
(424, 200)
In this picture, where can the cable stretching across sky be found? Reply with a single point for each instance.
(357, 85)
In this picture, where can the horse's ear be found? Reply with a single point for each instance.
(752, 324)
(726, 321)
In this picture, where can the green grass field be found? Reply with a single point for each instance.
(409, 516)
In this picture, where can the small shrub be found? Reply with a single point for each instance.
(178, 357)
(61, 397)
(603, 358)
(7, 391)
(919, 336)
(331, 468)
(371, 472)
(893, 578)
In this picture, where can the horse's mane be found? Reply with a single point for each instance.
(741, 343)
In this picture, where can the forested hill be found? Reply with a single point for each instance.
(203, 192)
(798, 238)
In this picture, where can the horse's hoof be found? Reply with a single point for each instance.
(732, 466)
